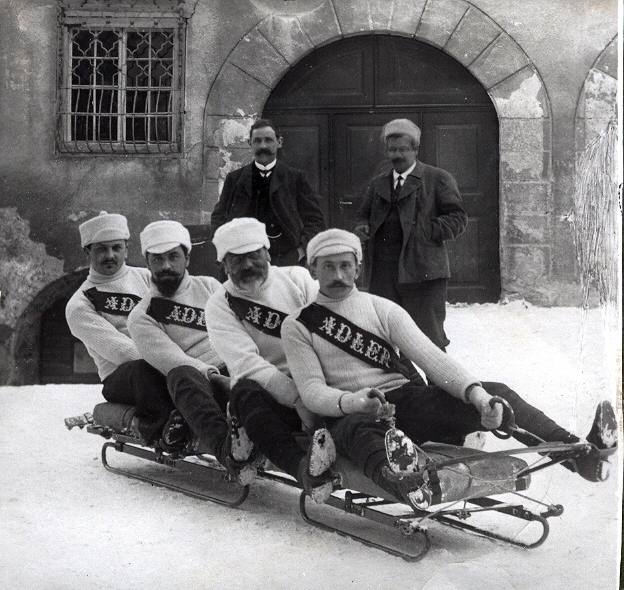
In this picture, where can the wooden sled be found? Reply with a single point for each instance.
(460, 481)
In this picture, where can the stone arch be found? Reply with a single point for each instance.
(24, 347)
(278, 41)
(597, 103)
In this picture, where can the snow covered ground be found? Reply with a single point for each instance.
(67, 523)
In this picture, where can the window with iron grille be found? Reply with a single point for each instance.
(121, 87)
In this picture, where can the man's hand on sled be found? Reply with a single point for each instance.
(491, 416)
(369, 401)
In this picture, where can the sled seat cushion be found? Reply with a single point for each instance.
(117, 417)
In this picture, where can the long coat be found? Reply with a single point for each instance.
(292, 199)
(430, 211)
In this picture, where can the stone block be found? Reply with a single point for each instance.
(255, 55)
(439, 20)
(236, 93)
(287, 36)
(498, 61)
(607, 61)
(406, 15)
(380, 14)
(473, 34)
(321, 25)
(523, 268)
(522, 198)
(521, 96)
(353, 17)
(522, 149)
(525, 229)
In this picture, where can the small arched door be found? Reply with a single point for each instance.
(331, 108)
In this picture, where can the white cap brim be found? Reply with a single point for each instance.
(162, 248)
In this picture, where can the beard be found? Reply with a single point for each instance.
(167, 284)
(250, 279)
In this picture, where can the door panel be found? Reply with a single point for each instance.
(465, 144)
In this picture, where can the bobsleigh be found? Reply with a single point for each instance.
(458, 483)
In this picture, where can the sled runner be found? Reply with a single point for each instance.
(455, 485)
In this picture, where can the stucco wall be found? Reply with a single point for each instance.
(237, 50)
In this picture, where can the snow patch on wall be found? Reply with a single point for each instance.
(234, 132)
(523, 102)
(25, 267)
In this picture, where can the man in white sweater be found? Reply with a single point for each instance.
(342, 351)
(97, 314)
(169, 329)
(244, 319)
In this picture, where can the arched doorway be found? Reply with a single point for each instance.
(331, 107)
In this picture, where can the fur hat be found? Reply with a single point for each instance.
(105, 227)
(401, 127)
(334, 241)
(162, 236)
(239, 236)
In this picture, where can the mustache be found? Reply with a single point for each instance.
(167, 273)
(109, 260)
(337, 284)
(266, 151)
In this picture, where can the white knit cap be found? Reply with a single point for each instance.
(334, 241)
(165, 235)
(239, 236)
(401, 127)
(106, 227)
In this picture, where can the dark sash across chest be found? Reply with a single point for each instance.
(113, 303)
(263, 318)
(167, 311)
(350, 338)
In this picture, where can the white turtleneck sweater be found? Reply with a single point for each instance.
(248, 352)
(106, 335)
(323, 372)
(167, 346)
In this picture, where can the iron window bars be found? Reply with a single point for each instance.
(121, 85)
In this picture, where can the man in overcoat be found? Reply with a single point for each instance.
(275, 194)
(407, 215)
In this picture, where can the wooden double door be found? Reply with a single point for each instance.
(331, 108)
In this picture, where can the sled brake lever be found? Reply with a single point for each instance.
(509, 421)
(509, 418)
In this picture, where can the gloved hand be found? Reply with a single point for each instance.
(491, 417)
(362, 232)
(209, 370)
(369, 401)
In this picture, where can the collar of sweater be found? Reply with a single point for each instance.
(98, 279)
(324, 300)
(255, 292)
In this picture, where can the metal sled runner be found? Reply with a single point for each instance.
(458, 484)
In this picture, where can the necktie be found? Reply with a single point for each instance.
(399, 183)
(265, 174)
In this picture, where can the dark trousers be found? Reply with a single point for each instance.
(139, 384)
(196, 399)
(268, 424)
(428, 413)
(425, 301)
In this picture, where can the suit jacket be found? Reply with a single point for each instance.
(431, 212)
(291, 197)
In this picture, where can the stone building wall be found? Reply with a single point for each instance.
(548, 65)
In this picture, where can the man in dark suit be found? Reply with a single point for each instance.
(407, 215)
(273, 193)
